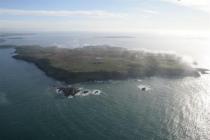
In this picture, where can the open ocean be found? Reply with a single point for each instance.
(172, 109)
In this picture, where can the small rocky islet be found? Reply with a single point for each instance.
(67, 91)
(71, 91)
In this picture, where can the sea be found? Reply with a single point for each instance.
(169, 108)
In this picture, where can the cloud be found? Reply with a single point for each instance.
(153, 12)
(203, 5)
(67, 25)
(60, 13)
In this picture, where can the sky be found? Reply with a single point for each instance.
(105, 15)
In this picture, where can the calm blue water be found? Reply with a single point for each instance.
(173, 109)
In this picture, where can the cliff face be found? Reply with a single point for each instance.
(103, 63)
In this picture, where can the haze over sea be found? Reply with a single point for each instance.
(173, 109)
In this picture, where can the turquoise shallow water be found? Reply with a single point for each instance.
(173, 109)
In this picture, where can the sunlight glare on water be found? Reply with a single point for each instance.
(173, 109)
(196, 109)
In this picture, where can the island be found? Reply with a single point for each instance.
(100, 63)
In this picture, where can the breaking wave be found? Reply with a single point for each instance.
(86, 92)
(144, 87)
(82, 92)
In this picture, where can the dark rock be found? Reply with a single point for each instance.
(143, 89)
(68, 91)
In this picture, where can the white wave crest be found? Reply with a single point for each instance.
(96, 92)
(144, 87)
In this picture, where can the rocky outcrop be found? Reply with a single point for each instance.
(68, 91)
